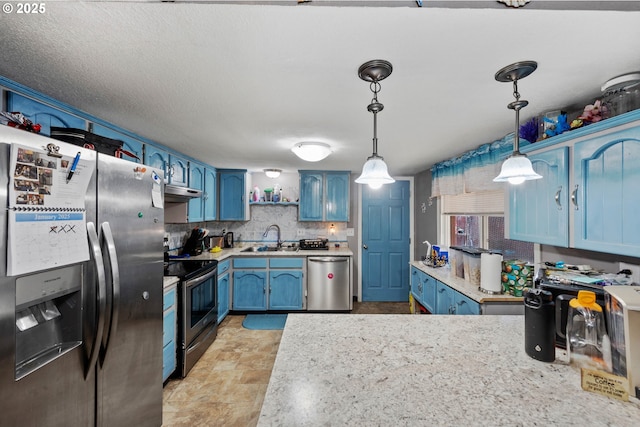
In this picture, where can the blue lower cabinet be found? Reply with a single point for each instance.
(223, 296)
(429, 285)
(416, 284)
(444, 299)
(285, 290)
(169, 325)
(465, 305)
(250, 290)
(168, 360)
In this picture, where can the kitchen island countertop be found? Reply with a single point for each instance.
(383, 370)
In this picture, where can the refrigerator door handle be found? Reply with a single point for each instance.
(115, 287)
(100, 296)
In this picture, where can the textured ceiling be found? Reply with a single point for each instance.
(237, 85)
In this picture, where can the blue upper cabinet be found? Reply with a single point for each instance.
(178, 170)
(43, 114)
(209, 198)
(234, 195)
(538, 209)
(604, 195)
(196, 181)
(129, 145)
(157, 158)
(324, 196)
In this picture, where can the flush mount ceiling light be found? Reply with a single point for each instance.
(272, 173)
(517, 168)
(374, 171)
(311, 151)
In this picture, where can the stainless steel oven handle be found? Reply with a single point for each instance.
(101, 299)
(115, 286)
(199, 279)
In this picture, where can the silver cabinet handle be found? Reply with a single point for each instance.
(100, 296)
(115, 286)
(557, 198)
(365, 247)
(574, 197)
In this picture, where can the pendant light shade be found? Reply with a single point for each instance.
(517, 168)
(374, 171)
(311, 151)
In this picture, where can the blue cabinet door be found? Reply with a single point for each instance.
(539, 209)
(429, 285)
(223, 296)
(43, 114)
(604, 198)
(196, 181)
(250, 290)
(178, 170)
(337, 196)
(285, 290)
(416, 284)
(129, 144)
(232, 197)
(465, 305)
(310, 207)
(209, 199)
(158, 159)
(444, 299)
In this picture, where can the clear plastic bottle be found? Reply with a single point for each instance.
(587, 342)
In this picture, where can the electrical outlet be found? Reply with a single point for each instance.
(635, 270)
(300, 232)
(350, 232)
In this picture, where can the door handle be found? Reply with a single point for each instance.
(115, 286)
(365, 247)
(557, 198)
(98, 262)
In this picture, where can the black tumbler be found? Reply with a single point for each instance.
(539, 325)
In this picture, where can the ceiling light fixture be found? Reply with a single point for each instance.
(311, 151)
(517, 168)
(374, 171)
(272, 173)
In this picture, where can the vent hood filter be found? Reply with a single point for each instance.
(175, 194)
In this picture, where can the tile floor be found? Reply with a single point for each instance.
(228, 384)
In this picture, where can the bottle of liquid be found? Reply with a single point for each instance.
(255, 196)
(539, 325)
(587, 342)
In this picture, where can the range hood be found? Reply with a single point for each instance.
(175, 194)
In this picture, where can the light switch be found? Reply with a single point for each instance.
(350, 232)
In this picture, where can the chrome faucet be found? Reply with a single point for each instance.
(279, 242)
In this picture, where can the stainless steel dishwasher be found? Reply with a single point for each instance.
(329, 283)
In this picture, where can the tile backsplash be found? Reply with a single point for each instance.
(262, 216)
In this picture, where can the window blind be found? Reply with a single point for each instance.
(486, 202)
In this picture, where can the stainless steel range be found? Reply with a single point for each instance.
(197, 308)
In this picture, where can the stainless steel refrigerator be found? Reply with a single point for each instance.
(80, 343)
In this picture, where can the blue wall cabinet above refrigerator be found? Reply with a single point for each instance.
(539, 208)
(234, 187)
(324, 196)
(157, 158)
(43, 114)
(129, 144)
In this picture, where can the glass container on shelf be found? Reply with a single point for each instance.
(621, 94)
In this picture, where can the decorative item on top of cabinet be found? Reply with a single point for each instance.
(234, 188)
(324, 196)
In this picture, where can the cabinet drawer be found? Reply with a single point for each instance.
(169, 299)
(286, 262)
(250, 263)
(168, 360)
(223, 266)
(168, 327)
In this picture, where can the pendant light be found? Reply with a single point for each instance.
(517, 168)
(374, 171)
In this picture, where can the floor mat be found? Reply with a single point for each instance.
(264, 321)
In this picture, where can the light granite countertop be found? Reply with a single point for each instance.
(403, 370)
(444, 275)
(168, 281)
(238, 252)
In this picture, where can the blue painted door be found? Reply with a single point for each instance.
(129, 144)
(223, 296)
(285, 290)
(538, 209)
(385, 238)
(43, 114)
(250, 290)
(311, 196)
(605, 194)
(210, 192)
(337, 196)
(444, 299)
(158, 159)
(196, 181)
(232, 197)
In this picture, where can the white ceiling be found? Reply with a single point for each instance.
(237, 85)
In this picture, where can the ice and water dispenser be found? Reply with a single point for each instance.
(48, 317)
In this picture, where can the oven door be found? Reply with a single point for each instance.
(200, 307)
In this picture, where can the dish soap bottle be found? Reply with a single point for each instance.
(587, 342)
